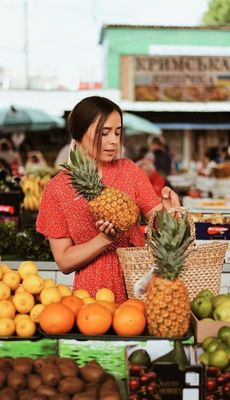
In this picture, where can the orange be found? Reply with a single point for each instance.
(50, 294)
(49, 282)
(129, 321)
(7, 309)
(4, 291)
(81, 293)
(23, 302)
(94, 319)
(27, 267)
(33, 283)
(7, 327)
(72, 302)
(110, 306)
(64, 290)
(25, 327)
(12, 279)
(36, 311)
(88, 300)
(105, 294)
(56, 318)
(19, 316)
(134, 302)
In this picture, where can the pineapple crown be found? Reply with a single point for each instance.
(169, 240)
(84, 175)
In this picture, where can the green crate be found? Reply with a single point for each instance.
(111, 355)
(28, 348)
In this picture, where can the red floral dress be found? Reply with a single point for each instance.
(62, 215)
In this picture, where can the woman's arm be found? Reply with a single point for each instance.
(70, 257)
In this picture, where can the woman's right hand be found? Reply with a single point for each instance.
(107, 228)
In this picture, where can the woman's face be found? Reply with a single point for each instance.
(110, 143)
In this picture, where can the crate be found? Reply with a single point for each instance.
(202, 328)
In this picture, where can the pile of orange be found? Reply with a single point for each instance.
(94, 318)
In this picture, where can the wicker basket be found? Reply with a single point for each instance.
(202, 268)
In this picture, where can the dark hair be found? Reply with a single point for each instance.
(85, 113)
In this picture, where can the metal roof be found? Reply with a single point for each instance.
(162, 106)
(165, 27)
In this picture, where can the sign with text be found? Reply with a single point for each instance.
(176, 78)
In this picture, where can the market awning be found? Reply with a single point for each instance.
(191, 126)
(175, 106)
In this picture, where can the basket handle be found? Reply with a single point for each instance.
(181, 211)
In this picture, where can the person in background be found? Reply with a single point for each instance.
(35, 162)
(9, 155)
(159, 155)
(78, 243)
(156, 179)
(224, 155)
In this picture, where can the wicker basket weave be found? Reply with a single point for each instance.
(202, 268)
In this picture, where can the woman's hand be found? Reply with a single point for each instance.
(107, 228)
(169, 198)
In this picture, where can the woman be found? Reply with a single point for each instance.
(77, 243)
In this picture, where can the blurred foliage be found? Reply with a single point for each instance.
(26, 245)
(218, 13)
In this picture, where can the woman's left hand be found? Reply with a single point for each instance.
(169, 198)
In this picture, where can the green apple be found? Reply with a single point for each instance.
(202, 307)
(224, 334)
(219, 358)
(207, 341)
(204, 358)
(206, 293)
(222, 311)
(218, 299)
(213, 344)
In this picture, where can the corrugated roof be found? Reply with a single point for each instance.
(161, 106)
(165, 27)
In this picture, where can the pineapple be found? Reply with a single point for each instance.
(167, 301)
(105, 202)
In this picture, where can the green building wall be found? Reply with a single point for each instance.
(118, 40)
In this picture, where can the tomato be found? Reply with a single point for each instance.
(151, 375)
(211, 384)
(134, 396)
(134, 384)
(135, 370)
(226, 390)
(212, 371)
(210, 397)
(151, 388)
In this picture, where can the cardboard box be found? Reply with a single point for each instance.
(202, 328)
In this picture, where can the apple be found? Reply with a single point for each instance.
(224, 333)
(219, 299)
(219, 358)
(222, 311)
(206, 293)
(202, 307)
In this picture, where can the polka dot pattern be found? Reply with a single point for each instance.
(62, 215)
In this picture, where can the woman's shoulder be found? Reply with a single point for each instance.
(59, 180)
(125, 163)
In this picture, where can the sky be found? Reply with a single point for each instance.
(61, 36)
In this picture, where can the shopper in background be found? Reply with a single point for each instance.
(10, 155)
(78, 242)
(156, 179)
(159, 155)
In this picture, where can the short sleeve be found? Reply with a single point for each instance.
(51, 221)
(146, 197)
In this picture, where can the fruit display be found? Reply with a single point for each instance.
(208, 305)
(105, 202)
(216, 349)
(32, 186)
(53, 377)
(167, 302)
(217, 385)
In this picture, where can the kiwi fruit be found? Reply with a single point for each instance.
(84, 396)
(3, 376)
(38, 396)
(71, 385)
(23, 364)
(6, 362)
(16, 380)
(39, 363)
(61, 396)
(34, 381)
(68, 367)
(110, 396)
(47, 390)
(50, 374)
(8, 394)
(25, 394)
(92, 373)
